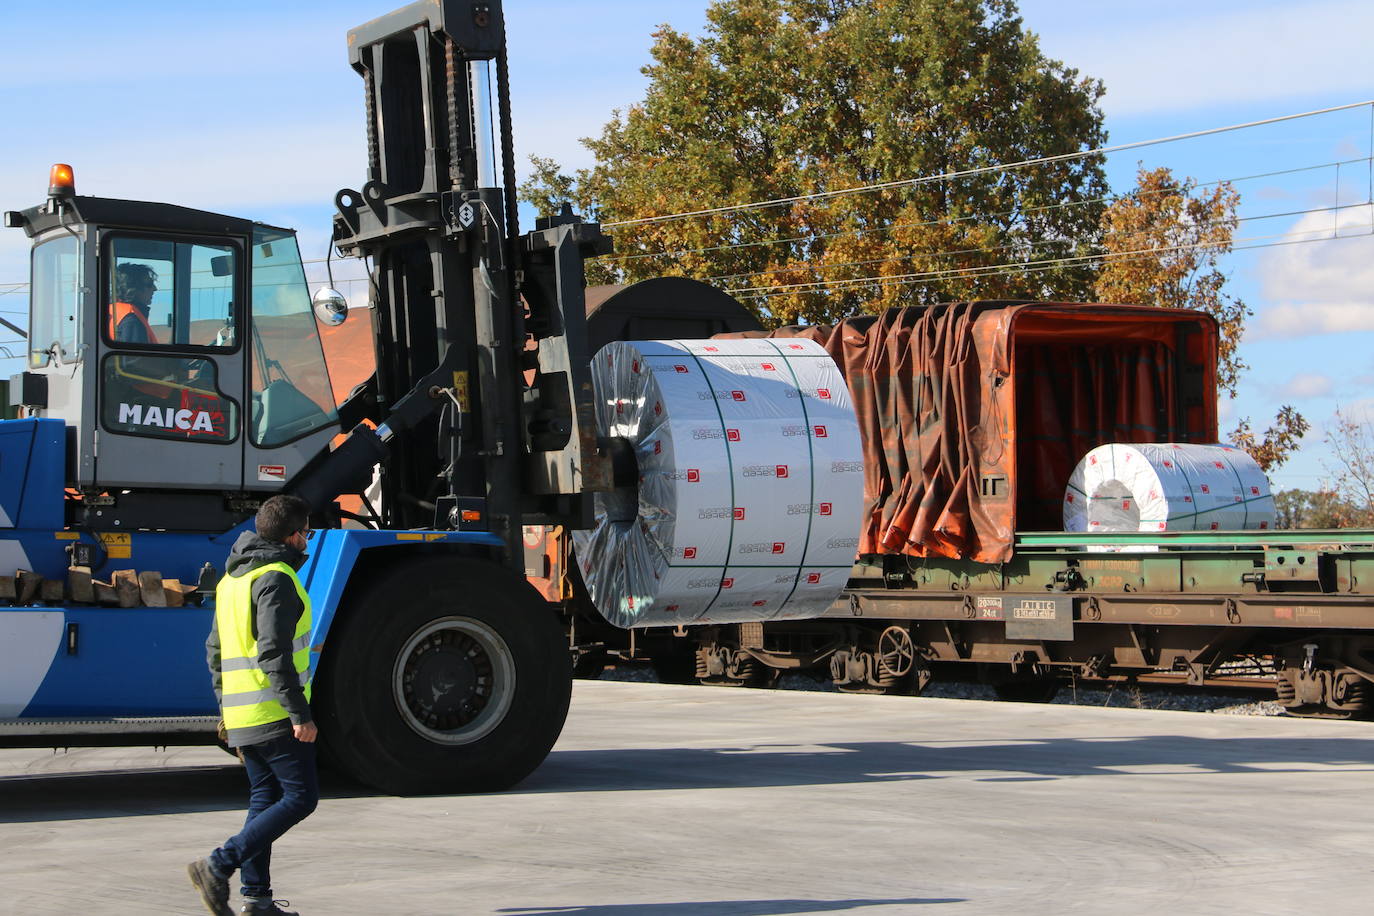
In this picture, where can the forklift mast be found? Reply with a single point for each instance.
(481, 342)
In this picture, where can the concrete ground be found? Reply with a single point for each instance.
(669, 801)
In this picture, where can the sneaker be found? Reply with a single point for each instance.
(214, 890)
(271, 908)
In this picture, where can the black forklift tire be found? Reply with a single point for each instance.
(445, 674)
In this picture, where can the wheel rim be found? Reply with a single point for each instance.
(454, 680)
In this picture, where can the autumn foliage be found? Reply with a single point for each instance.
(781, 99)
(824, 158)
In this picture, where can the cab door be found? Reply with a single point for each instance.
(170, 362)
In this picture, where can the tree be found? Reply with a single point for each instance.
(1280, 439)
(1162, 244)
(1322, 508)
(1351, 444)
(782, 99)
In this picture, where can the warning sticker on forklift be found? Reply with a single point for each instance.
(119, 545)
(272, 472)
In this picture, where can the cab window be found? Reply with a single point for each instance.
(56, 302)
(292, 396)
(166, 397)
(165, 293)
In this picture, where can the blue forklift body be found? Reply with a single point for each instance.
(70, 661)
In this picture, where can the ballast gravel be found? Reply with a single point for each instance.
(1123, 696)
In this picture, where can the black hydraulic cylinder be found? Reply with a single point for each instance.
(346, 469)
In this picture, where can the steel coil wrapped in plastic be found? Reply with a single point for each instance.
(1167, 487)
(748, 483)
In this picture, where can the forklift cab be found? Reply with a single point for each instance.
(179, 346)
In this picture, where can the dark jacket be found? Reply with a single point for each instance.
(276, 611)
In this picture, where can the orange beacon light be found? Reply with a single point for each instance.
(61, 181)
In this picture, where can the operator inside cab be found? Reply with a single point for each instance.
(135, 285)
(154, 392)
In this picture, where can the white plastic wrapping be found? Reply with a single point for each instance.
(1167, 487)
(750, 483)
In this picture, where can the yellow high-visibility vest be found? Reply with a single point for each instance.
(248, 698)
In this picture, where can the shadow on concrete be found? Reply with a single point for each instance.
(1018, 761)
(56, 797)
(135, 793)
(724, 907)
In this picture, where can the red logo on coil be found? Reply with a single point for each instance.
(780, 547)
(739, 513)
(825, 508)
(711, 349)
(1204, 489)
(795, 347)
(813, 578)
(634, 366)
(680, 368)
(781, 471)
(689, 553)
(732, 435)
(738, 395)
(693, 475)
(727, 582)
(760, 603)
(670, 608)
(767, 367)
(824, 393)
(658, 447)
(658, 408)
(819, 431)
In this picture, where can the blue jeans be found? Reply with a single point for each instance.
(283, 789)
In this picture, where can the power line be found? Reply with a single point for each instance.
(811, 265)
(1107, 198)
(1022, 268)
(980, 170)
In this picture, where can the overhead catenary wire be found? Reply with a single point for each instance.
(980, 170)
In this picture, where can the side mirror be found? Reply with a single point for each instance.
(331, 308)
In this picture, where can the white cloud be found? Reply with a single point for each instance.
(1323, 286)
(1306, 385)
(1155, 62)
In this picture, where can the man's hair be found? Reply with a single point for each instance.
(282, 516)
(130, 275)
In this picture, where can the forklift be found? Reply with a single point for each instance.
(175, 379)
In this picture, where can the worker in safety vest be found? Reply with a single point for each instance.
(259, 656)
(134, 288)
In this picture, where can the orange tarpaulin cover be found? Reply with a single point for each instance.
(973, 414)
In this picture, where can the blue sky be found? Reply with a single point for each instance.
(251, 109)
